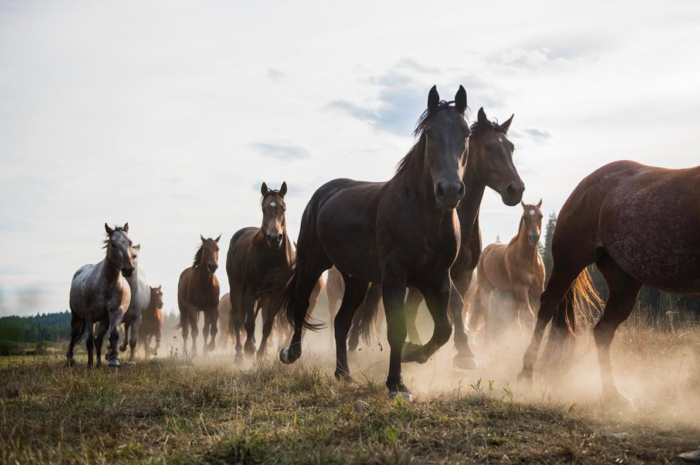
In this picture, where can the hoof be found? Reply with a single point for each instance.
(284, 356)
(344, 377)
(465, 363)
(690, 457)
(114, 363)
(238, 358)
(122, 348)
(409, 353)
(406, 395)
(524, 377)
(619, 403)
(131, 363)
(70, 362)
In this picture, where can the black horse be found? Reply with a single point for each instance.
(400, 233)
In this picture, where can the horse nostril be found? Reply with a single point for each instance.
(510, 190)
(440, 190)
(460, 191)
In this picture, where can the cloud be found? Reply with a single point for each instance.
(280, 151)
(535, 134)
(553, 51)
(276, 75)
(408, 63)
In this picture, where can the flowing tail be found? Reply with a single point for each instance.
(289, 302)
(576, 310)
(367, 313)
(81, 324)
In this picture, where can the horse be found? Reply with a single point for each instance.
(490, 164)
(259, 264)
(152, 323)
(640, 225)
(400, 233)
(100, 293)
(515, 268)
(224, 315)
(140, 300)
(198, 291)
(365, 316)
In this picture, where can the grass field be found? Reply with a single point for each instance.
(174, 411)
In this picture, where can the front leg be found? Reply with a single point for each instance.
(394, 292)
(437, 297)
(213, 328)
(101, 331)
(249, 302)
(115, 319)
(412, 303)
(135, 328)
(465, 358)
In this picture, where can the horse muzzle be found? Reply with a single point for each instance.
(274, 240)
(212, 268)
(127, 271)
(534, 239)
(449, 194)
(513, 193)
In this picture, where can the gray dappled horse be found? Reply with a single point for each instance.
(100, 294)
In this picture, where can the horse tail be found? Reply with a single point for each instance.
(289, 300)
(368, 312)
(576, 311)
(80, 323)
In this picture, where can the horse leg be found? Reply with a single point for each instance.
(412, 303)
(355, 327)
(394, 293)
(155, 351)
(213, 327)
(268, 315)
(623, 293)
(135, 328)
(99, 339)
(122, 348)
(205, 332)
(145, 340)
(184, 324)
(481, 309)
(194, 324)
(522, 303)
(332, 307)
(77, 327)
(465, 358)
(355, 292)
(116, 316)
(249, 304)
(90, 338)
(437, 297)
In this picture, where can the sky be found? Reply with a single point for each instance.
(169, 115)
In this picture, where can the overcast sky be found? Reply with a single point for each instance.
(169, 115)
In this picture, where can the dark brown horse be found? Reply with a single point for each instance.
(259, 265)
(490, 165)
(400, 233)
(198, 291)
(639, 225)
(152, 323)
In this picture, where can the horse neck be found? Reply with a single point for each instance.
(110, 272)
(413, 178)
(521, 245)
(202, 275)
(469, 206)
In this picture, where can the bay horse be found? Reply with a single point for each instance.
(259, 264)
(515, 268)
(400, 233)
(198, 291)
(140, 300)
(152, 324)
(490, 164)
(100, 294)
(640, 225)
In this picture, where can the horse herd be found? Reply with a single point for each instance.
(417, 237)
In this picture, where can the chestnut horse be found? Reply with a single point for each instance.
(400, 233)
(490, 164)
(259, 264)
(100, 294)
(515, 268)
(639, 225)
(198, 291)
(152, 323)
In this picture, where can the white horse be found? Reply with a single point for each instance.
(140, 300)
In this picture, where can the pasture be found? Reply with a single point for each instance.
(179, 410)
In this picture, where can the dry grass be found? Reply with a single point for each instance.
(171, 411)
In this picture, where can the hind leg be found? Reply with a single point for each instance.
(135, 328)
(194, 329)
(332, 312)
(213, 328)
(76, 330)
(355, 292)
(623, 293)
(99, 339)
(90, 339)
(413, 301)
(122, 348)
(465, 358)
(249, 307)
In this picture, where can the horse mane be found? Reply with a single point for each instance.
(410, 165)
(198, 255)
(474, 128)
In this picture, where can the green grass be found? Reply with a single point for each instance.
(171, 412)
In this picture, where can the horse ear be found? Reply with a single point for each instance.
(523, 204)
(539, 205)
(109, 230)
(217, 239)
(202, 238)
(126, 228)
(264, 190)
(506, 124)
(483, 120)
(160, 286)
(137, 247)
(433, 99)
(283, 189)
(461, 100)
